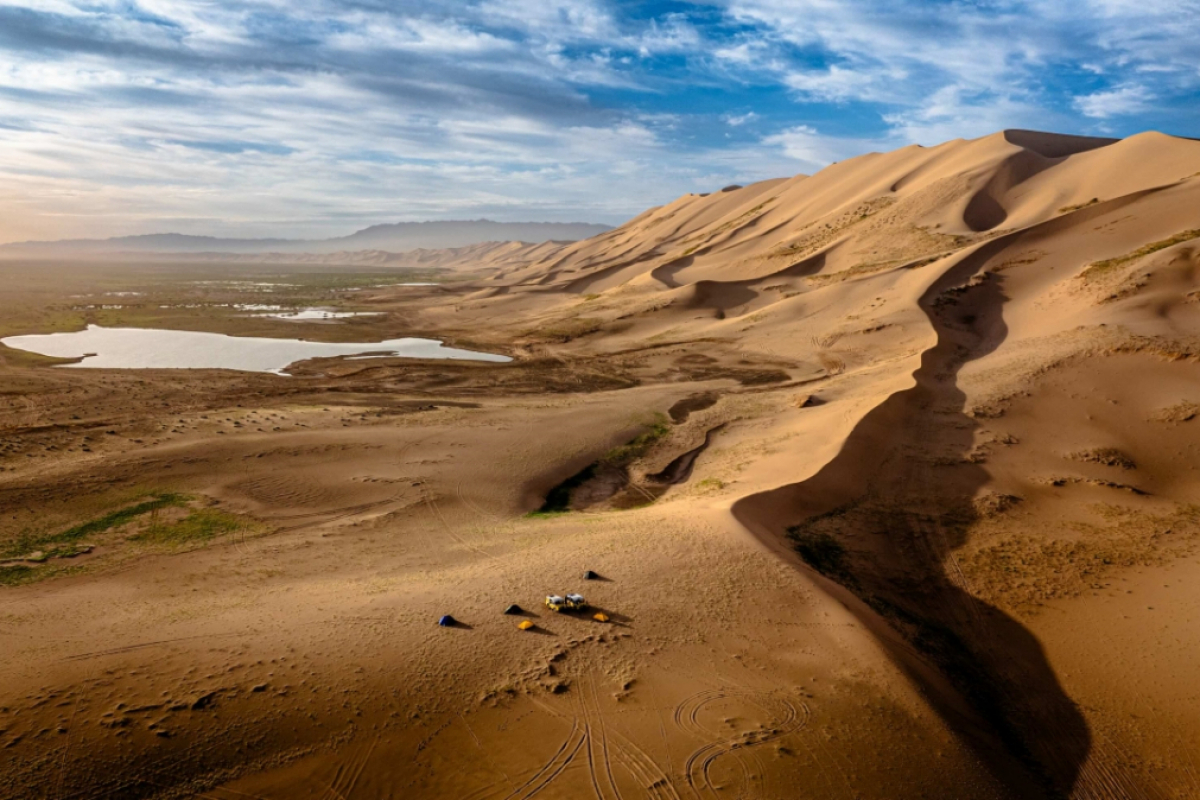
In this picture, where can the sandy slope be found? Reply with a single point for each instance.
(924, 524)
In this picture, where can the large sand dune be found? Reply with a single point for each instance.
(889, 473)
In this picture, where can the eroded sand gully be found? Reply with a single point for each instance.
(951, 398)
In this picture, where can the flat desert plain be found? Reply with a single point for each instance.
(887, 477)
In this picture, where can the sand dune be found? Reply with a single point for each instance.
(888, 473)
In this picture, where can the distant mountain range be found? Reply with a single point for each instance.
(396, 238)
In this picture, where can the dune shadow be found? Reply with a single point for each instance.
(680, 468)
(1055, 145)
(882, 522)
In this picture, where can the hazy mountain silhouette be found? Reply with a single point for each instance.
(397, 237)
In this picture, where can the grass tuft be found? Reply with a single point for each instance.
(640, 445)
(1099, 269)
(1077, 206)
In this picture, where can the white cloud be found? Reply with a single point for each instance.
(737, 120)
(560, 20)
(816, 151)
(1114, 102)
(285, 116)
(673, 35)
(839, 84)
(803, 144)
(382, 31)
(952, 113)
(963, 69)
(745, 53)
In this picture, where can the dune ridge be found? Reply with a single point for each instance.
(887, 473)
(959, 212)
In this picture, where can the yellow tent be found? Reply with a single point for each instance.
(525, 625)
(601, 618)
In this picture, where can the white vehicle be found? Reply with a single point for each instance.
(572, 602)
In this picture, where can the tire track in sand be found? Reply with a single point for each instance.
(598, 745)
(346, 776)
(639, 764)
(436, 511)
(552, 769)
(786, 717)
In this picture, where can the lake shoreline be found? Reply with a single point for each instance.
(98, 347)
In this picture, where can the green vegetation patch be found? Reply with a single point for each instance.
(640, 445)
(558, 500)
(58, 543)
(17, 575)
(199, 526)
(1099, 269)
(566, 330)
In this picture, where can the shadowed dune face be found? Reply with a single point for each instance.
(1055, 145)
(883, 520)
(950, 391)
(984, 212)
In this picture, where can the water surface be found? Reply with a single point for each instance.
(303, 314)
(148, 348)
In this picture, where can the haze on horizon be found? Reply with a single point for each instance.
(314, 118)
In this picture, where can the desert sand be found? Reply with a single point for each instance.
(888, 474)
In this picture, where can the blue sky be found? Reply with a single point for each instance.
(316, 117)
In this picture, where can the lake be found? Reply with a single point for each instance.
(148, 348)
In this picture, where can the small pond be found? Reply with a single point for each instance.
(147, 348)
(303, 314)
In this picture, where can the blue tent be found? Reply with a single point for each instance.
(447, 621)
